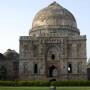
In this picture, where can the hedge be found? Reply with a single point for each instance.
(70, 83)
(44, 83)
(24, 83)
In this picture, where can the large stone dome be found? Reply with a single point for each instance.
(54, 15)
(54, 19)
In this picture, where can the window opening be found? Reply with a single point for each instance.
(53, 56)
(35, 69)
(69, 68)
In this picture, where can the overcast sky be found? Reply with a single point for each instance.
(16, 19)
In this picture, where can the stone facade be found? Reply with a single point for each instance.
(9, 65)
(54, 48)
(88, 69)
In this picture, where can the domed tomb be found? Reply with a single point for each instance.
(54, 49)
(54, 16)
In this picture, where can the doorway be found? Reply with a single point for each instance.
(51, 69)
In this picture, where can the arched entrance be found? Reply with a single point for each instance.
(52, 71)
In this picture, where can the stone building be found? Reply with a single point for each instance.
(9, 63)
(88, 69)
(54, 48)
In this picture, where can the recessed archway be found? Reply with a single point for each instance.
(52, 71)
(52, 53)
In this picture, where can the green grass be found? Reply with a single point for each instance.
(44, 88)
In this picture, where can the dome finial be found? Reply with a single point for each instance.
(54, 4)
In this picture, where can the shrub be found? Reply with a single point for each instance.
(44, 83)
(7, 83)
(71, 83)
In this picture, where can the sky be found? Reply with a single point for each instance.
(16, 18)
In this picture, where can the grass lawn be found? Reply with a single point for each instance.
(44, 88)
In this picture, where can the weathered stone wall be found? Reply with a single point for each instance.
(54, 51)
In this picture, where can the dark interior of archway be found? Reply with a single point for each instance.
(51, 70)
